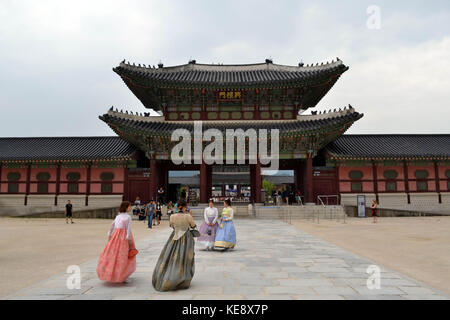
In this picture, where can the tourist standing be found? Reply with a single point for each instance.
(175, 267)
(298, 197)
(226, 233)
(374, 210)
(161, 195)
(209, 226)
(169, 208)
(278, 196)
(286, 196)
(150, 212)
(158, 209)
(116, 263)
(69, 212)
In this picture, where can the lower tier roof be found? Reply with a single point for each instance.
(347, 146)
(390, 146)
(65, 148)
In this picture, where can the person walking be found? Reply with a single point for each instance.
(209, 226)
(150, 212)
(68, 212)
(158, 215)
(118, 259)
(175, 268)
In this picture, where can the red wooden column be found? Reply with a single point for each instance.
(436, 179)
(163, 177)
(338, 185)
(375, 179)
(309, 179)
(203, 183)
(405, 175)
(88, 184)
(1, 179)
(258, 182)
(58, 182)
(153, 177)
(28, 184)
(125, 183)
(209, 184)
(252, 182)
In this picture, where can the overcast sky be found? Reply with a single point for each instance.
(57, 56)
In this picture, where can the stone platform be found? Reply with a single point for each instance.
(272, 260)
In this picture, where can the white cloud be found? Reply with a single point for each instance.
(405, 90)
(57, 56)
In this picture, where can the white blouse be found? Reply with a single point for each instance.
(211, 212)
(122, 221)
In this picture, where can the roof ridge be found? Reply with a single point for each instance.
(396, 134)
(223, 67)
(59, 137)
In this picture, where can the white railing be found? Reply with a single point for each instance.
(327, 198)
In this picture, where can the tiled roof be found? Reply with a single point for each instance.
(230, 75)
(391, 146)
(64, 148)
(165, 128)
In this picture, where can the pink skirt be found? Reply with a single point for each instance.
(114, 264)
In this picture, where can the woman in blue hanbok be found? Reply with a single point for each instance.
(226, 234)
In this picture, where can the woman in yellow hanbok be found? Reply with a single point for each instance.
(226, 233)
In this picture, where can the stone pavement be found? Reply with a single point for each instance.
(272, 260)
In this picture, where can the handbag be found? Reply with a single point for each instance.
(132, 253)
(195, 233)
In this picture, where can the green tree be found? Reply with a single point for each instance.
(268, 186)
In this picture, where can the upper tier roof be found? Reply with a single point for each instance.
(231, 75)
(391, 146)
(65, 148)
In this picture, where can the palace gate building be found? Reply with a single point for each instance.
(401, 171)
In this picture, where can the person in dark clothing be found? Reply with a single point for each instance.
(161, 195)
(158, 213)
(69, 212)
(286, 196)
(150, 211)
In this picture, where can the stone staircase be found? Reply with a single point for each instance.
(301, 212)
(281, 212)
(240, 211)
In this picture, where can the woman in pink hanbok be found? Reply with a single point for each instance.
(114, 264)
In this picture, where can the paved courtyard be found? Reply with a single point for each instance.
(272, 260)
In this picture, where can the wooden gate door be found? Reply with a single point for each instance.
(138, 187)
(324, 184)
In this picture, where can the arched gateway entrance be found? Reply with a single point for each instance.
(250, 98)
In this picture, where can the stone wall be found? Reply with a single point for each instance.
(13, 205)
